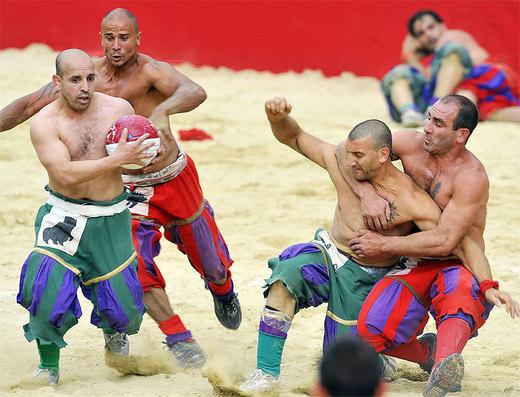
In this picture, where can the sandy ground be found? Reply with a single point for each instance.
(266, 197)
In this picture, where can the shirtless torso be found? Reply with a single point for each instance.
(409, 204)
(441, 178)
(406, 200)
(83, 135)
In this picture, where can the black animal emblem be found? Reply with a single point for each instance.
(134, 199)
(60, 233)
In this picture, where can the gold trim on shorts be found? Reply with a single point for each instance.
(76, 271)
(350, 323)
(147, 219)
(112, 273)
(73, 269)
(191, 219)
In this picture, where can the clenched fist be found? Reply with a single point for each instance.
(277, 108)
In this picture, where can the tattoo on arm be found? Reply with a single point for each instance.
(393, 211)
(49, 87)
(298, 146)
(435, 190)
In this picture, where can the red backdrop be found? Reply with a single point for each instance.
(363, 37)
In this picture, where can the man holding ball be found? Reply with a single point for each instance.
(83, 234)
(166, 194)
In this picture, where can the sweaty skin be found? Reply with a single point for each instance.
(438, 161)
(410, 204)
(69, 135)
(155, 89)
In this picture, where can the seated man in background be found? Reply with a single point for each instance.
(441, 61)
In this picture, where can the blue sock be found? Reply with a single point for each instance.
(271, 340)
(408, 106)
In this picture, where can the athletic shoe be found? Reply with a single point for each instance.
(187, 353)
(445, 377)
(228, 311)
(117, 344)
(431, 340)
(53, 375)
(259, 381)
(388, 367)
(411, 118)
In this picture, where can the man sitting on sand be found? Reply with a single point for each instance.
(441, 61)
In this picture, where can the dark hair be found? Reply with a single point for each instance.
(350, 367)
(467, 116)
(377, 130)
(129, 14)
(418, 15)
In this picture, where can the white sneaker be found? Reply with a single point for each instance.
(388, 367)
(412, 118)
(53, 375)
(117, 344)
(259, 381)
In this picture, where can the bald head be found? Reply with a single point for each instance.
(376, 130)
(120, 13)
(71, 58)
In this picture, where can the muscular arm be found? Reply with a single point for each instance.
(470, 195)
(374, 208)
(55, 156)
(182, 95)
(426, 214)
(27, 106)
(287, 131)
(471, 252)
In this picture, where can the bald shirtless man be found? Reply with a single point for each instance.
(83, 234)
(327, 269)
(459, 64)
(167, 193)
(396, 311)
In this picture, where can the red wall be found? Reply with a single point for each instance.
(363, 37)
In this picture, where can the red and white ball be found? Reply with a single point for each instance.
(136, 126)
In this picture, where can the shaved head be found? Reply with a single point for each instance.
(118, 13)
(70, 57)
(375, 129)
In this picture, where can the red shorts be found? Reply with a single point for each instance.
(396, 310)
(492, 87)
(179, 207)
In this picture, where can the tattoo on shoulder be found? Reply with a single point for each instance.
(393, 211)
(435, 190)
(298, 146)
